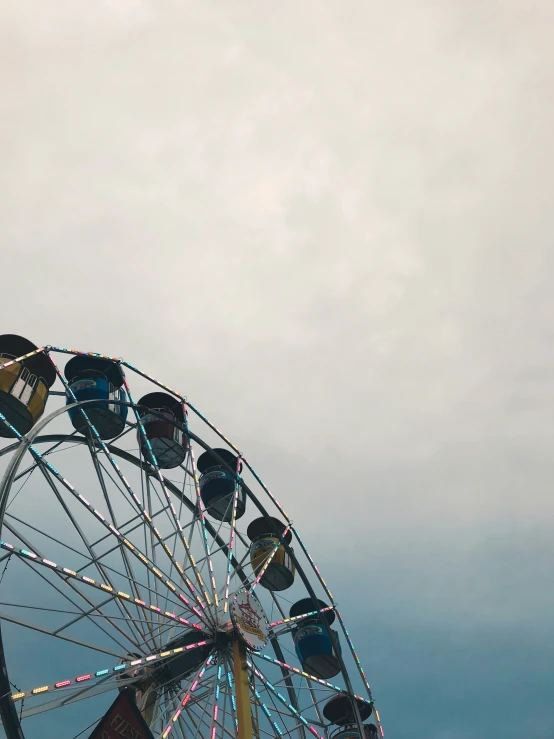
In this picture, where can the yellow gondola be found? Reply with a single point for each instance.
(24, 385)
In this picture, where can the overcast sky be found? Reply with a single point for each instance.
(330, 225)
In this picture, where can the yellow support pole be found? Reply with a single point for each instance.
(244, 714)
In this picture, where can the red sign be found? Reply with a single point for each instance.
(122, 721)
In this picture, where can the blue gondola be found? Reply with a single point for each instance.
(163, 418)
(339, 711)
(96, 378)
(311, 640)
(217, 484)
(24, 385)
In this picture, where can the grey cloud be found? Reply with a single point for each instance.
(329, 225)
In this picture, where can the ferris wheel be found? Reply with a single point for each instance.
(146, 570)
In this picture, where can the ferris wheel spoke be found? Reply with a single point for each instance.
(31, 558)
(160, 576)
(196, 723)
(137, 520)
(229, 691)
(284, 717)
(153, 555)
(182, 727)
(219, 724)
(294, 712)
(187, 696)
(223, 720)
(129, 426)
(154, 542)
(51, 450)
(238, 566)
(199, 717)
(97, 440)
(167, 702)
(48, 632)
(278, 649)
(215, 703)
(202, 516)
(109, 527)
(232, 536)
(152, 593)
(21, 487)
(122, 607)
(304, 674)
(46, 536)
(59, 703)
(90, 615)
(154, 463)
(316, 703)
(268, 714)
(216, 535)
(62, 610)
(274, 710)
(179, 530)
(211, 710)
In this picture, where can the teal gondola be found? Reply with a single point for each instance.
(313, 646)
(99, 379)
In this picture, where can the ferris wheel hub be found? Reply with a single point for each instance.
(249, 620)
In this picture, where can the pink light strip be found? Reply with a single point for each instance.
(120, 669)
(187, 696)
(17, 360)
(298, 618)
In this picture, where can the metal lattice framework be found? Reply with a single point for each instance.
(114, 576)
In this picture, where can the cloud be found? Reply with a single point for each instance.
(330, 226)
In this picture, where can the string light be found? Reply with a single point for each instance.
(101, 673)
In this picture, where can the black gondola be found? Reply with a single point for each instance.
(280, 572)
(163, 418)
(217, 484)
(339, 711)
